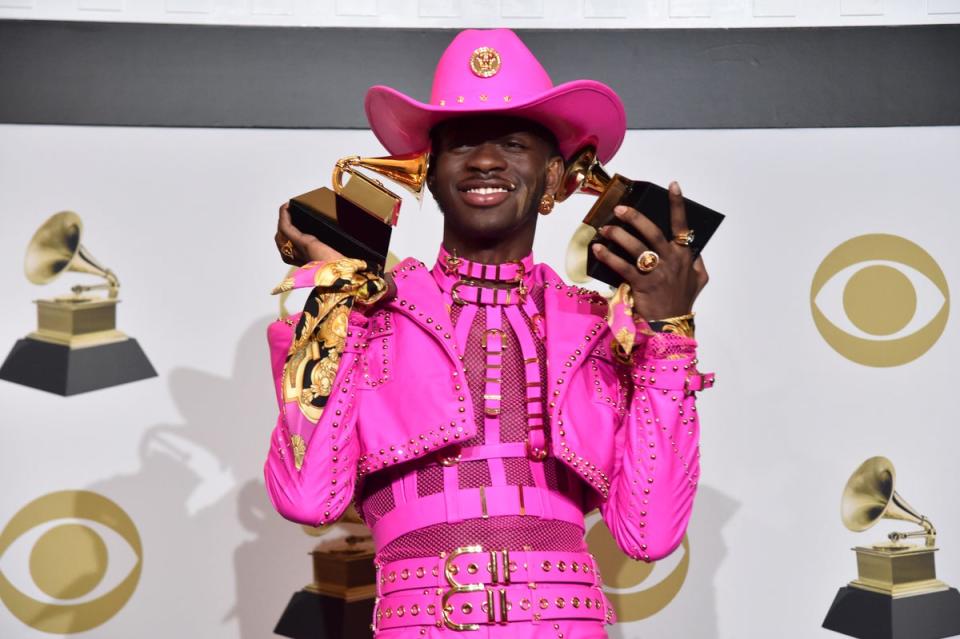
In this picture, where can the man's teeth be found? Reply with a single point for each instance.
(487, 190)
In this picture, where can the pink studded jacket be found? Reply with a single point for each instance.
(629, 429)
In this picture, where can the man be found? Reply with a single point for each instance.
(476, 410)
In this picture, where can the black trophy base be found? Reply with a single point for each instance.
(654, 202)
(870, 615)
(355, 233)
(59, 369)
(314, 616)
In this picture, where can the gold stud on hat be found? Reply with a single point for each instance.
(485, 62)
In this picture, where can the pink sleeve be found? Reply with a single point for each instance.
(654, 483)
(310, 471)
(320, 490)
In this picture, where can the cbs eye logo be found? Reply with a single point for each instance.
(69, 561)
(636, 589)
(887, 298)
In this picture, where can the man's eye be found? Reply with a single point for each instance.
(515, 144)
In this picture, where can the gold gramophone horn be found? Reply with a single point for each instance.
(869, 496)
(576, 258)
(583, 174)
(56, 248)
(409, 171)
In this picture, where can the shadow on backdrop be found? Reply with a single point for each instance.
(692, 612)
(201, 508)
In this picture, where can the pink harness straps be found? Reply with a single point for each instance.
(494, 305)
(493, 342)
(458, 504)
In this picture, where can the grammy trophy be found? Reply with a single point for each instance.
(585, 174)
(76, 347)
(357, 217)
(896, 594)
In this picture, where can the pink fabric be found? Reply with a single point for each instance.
(558, 629)
(610, 429)
(426, 512)
(578, 113)
(564, 528)
(549, 594)
(524, 567)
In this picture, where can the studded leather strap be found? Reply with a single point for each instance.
(459, 609)
(489, 567)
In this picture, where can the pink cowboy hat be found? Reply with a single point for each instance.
(493, 72)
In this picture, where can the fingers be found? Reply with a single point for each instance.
(289, 239)
(286, 227)
(620, 266)
(647, 229)
(288, 252)
(630, 243)
(678, 212)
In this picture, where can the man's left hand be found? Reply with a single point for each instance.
(670, 288)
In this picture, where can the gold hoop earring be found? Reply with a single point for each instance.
(546, 204)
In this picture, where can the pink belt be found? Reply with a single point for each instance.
(471, 565)
(471, 587)
(471, 503)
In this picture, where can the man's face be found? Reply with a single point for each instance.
(489, 173)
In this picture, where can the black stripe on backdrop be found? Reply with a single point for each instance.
(234, 76)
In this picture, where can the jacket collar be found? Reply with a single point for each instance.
(573, 317)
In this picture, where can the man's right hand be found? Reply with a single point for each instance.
(297, 248)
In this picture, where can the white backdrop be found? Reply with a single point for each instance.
(186, 217)
(515, 14)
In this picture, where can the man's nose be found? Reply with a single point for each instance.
(486, 157)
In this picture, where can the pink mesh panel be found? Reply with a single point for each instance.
(474, 362)
(513, 406)
(377, 497)
(670, 346)
(430, 480)
(555, 475)
(517, 470)
(473, 474)
(512, 533)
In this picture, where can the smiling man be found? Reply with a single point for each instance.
(476, 410)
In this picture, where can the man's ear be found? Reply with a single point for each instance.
(555, 168)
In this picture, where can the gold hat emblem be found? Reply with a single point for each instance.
(485, 62)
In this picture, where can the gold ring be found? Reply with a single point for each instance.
(647, 261)
(287, 249)
(685, 238)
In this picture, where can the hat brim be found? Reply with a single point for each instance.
(578, 113)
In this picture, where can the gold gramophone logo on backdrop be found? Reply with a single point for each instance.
(896, 593)
(880, 300)
(76, 347)
(69, 561)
